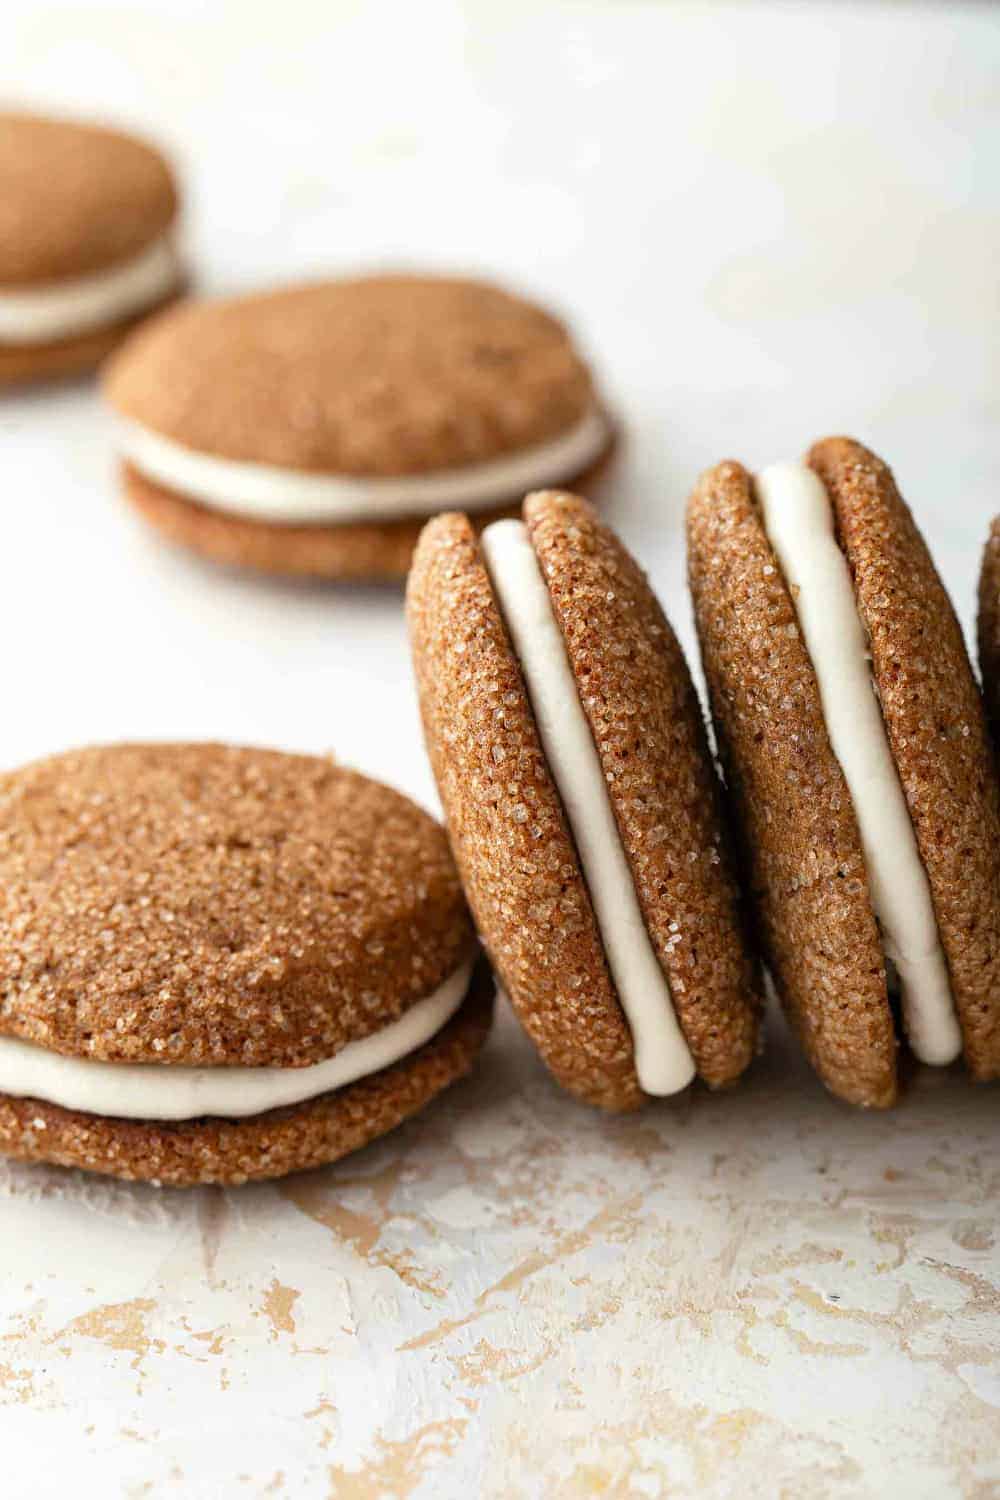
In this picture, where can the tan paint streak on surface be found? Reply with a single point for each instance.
(714, 1445)
(215, 1338)
(485, 1365)
(974, 1234)
(278, 1307)
(324, 1410)
(18, 1385)
(617, 1216)
(119, 1325)
(896, 1230)
(399, 1466)
(806, 1345)
(805, 1255)
(361, 1231)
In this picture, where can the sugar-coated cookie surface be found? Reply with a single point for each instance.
(263, 1146)
(211, 905)
(798, 834)
(934, 717)
(798, 829)
(646, 723)
(508, 825)
(508, 830)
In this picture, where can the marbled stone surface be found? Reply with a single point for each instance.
(769, 222)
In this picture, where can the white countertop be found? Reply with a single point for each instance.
(768, 223)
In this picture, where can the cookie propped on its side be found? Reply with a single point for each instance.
(581, 801)
(853, 740)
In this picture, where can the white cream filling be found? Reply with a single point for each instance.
(662, 1059)
(163, 1091)
(269, 493)
(42, 314)
(798, 518)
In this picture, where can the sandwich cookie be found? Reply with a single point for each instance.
(86, 243)
(989, 629)
(853, 741)
(223, 964)
(312, 431)
(582, 804)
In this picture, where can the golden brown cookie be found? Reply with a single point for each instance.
(86, 219)
(798, 822)
(311, 431)
(518, 817)
(204, 923)
(989, 628)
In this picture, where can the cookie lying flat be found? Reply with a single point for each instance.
(311, 431)
(86, 247)
(221, 964)
(581, 801)
(852, 736)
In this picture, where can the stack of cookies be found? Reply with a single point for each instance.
(223, 964)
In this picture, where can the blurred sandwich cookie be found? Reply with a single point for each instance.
(989, 629)
(86, 243)
(311, 431)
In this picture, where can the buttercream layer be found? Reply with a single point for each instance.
(59, 310)
(269, 493)
(155, 1091)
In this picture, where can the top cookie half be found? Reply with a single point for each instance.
(527, 765)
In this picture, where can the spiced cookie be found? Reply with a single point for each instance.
(86, 243)
(311, 431)
(989, 628)
(853, 741)
(581, 801)
(221, 964)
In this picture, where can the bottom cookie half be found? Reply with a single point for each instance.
(358, 551)
(263, 1146)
